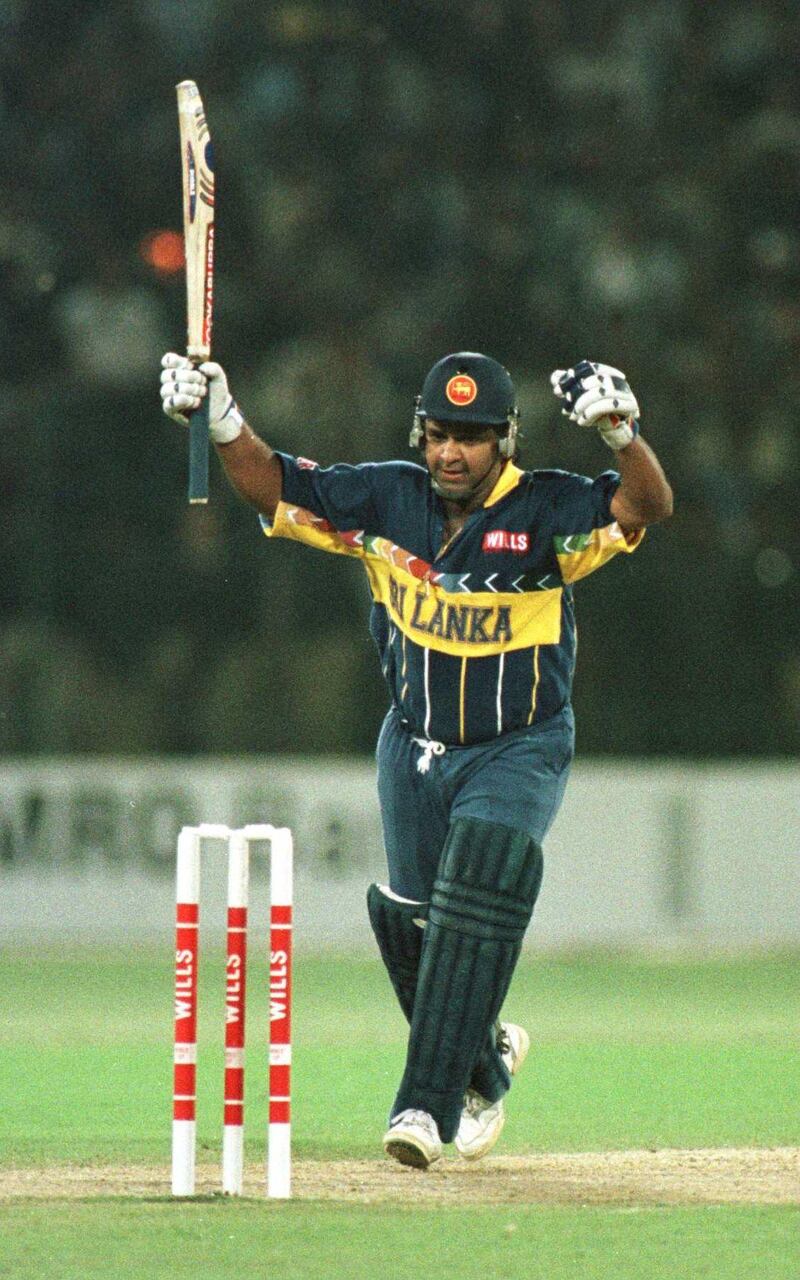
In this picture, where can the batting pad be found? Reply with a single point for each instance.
(398, 927)
(482, 902)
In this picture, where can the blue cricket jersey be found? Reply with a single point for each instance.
(476, 637)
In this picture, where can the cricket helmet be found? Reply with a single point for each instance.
(469, 389)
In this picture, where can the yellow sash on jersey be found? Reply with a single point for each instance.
(472, 624)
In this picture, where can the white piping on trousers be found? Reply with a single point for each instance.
(500, 694)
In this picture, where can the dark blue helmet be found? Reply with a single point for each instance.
(471, 389)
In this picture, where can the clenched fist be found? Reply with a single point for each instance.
(596, 395)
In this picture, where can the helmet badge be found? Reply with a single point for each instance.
(461, 389)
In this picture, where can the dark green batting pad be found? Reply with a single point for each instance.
(399, 941)
(482, 903)
(480, 855)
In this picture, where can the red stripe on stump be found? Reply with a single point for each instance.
(184, 1077)
(279, 1112)
(183, 1110)
(186, 957)
(279, 1077)
(234, 1084)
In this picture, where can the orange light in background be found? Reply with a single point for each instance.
(163, 251)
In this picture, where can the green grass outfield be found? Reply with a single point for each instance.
(628, 1053)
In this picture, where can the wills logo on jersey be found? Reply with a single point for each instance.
(504, 540)
(306, 464)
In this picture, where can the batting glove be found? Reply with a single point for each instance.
(184, 385)
(595, 395)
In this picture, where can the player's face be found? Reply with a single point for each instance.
(464, 462)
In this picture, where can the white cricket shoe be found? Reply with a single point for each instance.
(413, 1138)
(513, 1043)
(482, 1121)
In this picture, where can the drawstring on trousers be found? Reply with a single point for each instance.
(430, 749)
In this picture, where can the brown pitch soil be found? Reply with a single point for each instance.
(621, 1178)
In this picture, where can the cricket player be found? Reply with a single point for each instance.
(471, 563)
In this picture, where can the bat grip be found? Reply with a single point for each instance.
(198, 453)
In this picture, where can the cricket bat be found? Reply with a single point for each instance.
(197, 166)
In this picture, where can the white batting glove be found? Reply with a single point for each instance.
(184, 386)
(596, 395)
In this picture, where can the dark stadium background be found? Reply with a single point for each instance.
(542, 182)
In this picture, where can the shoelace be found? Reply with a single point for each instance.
(502, 1040)
(414, 1117)
(474, 1103)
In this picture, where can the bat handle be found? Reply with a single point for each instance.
(198, 453)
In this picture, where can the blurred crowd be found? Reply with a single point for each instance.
(543, 182)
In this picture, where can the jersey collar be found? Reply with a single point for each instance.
(508, 479)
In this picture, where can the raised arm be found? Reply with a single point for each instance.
(597, 395)
(250, 464)
(253, 469)
(644, 495)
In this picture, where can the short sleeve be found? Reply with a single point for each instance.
(332, 508)
(341, 494)
(585, 533)
(581, 503)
